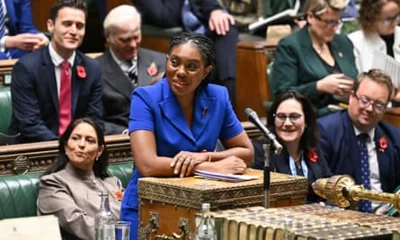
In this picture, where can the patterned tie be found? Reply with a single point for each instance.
(3, 25)
(132, 72)
(364, 205)
(65, 99)
(190, 21)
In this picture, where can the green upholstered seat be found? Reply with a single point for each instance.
(153, 31)
(5, 108)
(18, 193)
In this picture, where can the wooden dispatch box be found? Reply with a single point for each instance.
(171, 203)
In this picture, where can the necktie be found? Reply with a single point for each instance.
(3, 24)
(364, 205)
(190, 21)
(65, 115)
(132, 73)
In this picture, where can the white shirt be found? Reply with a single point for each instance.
(124, 65)
(57, 60)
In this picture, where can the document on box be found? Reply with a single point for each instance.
(224, 177)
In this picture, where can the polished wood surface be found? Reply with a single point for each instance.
(392, 116)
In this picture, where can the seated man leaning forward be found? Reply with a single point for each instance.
(70, 188)
(357, 142)
(125, 66)
(174, 125)
(55, 85)
(18, 35)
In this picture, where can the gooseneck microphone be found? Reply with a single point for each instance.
(254, 119)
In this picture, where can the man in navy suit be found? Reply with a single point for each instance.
(18, 35)
(39, 79)
(339, 135)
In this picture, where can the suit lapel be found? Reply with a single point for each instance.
(313, 61)
(203, 112)
(350, 144)
(76, 80)
(281, 163)
(11, 15)
(49, 74)
(115, 77)
(382, 154)
(173, 113)
(144, 61)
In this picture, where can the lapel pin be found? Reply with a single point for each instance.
(204, 113)
(340, 54)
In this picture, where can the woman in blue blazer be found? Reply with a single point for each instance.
(174, 125)
(293, 119)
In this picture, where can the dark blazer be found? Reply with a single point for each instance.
(35, 98)
(167, 13)
(118, 87)
(280, 164)
(19, 21)
(297, 66)
(339, 147)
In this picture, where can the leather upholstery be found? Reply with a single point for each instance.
(18, 193)
(5, 108)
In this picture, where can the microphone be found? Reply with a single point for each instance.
(254, 119)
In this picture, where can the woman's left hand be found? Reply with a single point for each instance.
(184, 162)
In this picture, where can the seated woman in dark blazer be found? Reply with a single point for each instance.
(71, 186)
(293, 119)
(315, 60)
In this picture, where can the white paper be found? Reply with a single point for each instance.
(387, 64)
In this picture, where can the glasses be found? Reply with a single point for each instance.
(365, 102)
(330, 23)
(391, 20)
(293, 117)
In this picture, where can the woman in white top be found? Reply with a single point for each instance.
(379, 32)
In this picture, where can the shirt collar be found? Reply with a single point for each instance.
(122, 63)
(371, 134)
(57, 59)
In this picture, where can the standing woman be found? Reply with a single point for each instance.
(315, 60)
(174, 125)
(293, 119)
(379, 32)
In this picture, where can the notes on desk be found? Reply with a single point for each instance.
(223, 177)
(388, 64)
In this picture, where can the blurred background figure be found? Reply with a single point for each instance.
(294, 121)
(175, 124)
(315, 60)
(70, 188)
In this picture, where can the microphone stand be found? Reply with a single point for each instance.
(267, 171)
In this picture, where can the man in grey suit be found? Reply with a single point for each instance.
(125, 66)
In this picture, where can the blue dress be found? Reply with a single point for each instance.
(155, 108)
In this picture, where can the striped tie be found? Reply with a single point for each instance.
(3, 25)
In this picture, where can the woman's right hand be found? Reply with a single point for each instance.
(231, 164)
(335, 84)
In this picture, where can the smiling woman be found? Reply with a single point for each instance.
(175, 124)
(70, 188)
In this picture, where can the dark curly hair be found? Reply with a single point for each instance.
(99, 166)
(309, 139)
(370, 12)
(204, 44)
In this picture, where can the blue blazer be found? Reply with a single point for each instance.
(280, 164)
(35, 98)
(19, 21)
(339, 146)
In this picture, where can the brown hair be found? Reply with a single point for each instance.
(319, 6)
(370, 13)
(377, 76)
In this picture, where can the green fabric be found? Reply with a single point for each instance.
(272, 7)
(297, 66)
(18, 193)
(153, 31)
(5, 108)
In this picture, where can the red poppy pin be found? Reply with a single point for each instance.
(382, 144)
(118, 195)
(312, 156)
(81, 71)
(152, 69)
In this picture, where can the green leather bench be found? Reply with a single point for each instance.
(5, 108)
(18, 193)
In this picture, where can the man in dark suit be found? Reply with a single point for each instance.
(342, 132)
(208, 17)
(55, 85)
(125, 66)
(18, 35)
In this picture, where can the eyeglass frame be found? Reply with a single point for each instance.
(391, 20)
(329, 23)
(290, 116)
(365, 102)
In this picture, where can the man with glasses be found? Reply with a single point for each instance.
(357, 142)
